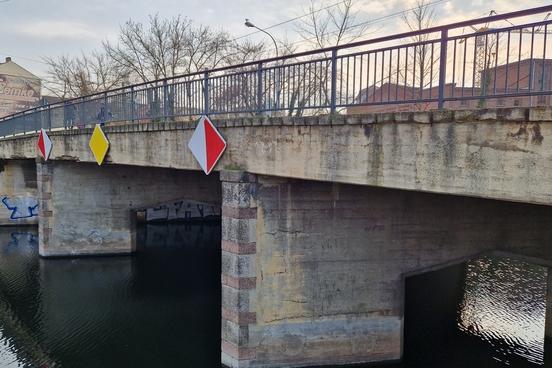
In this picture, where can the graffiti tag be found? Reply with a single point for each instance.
(17, 213)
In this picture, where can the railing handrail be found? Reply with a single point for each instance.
(333, 49)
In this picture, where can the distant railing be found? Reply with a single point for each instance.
(440, 67)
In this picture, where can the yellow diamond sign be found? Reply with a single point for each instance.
(99, 144)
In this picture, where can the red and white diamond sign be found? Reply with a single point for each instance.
(207, 145)
(44, 144)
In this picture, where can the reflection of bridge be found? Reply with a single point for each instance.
(322, 216)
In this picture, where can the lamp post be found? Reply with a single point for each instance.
(249, 24)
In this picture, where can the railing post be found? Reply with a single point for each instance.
(206, 93)
(105, 114)
(132, 104)
(333, 96)
(443, 69)
(260, 88)
(82, 113)
(165, 100)
(49, 118)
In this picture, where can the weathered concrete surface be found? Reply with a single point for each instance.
(18, 197)
(87, 209)
(321, 280)
(502, 154)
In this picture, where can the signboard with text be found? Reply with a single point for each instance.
(17, 94)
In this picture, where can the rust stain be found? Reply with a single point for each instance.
(522, 132)
(367, 131)
(526, 131)
(536, 136)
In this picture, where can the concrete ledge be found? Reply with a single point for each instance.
(237, 176)
(327, 342)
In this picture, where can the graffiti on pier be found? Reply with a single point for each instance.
(21, 208)
(184, 210)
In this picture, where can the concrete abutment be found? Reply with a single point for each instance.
(313, 272)
(89, 210)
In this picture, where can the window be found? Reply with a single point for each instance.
(541, 101)
(500, 102)
(517, 102)
(464, 103)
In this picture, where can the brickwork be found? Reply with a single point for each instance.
(239, 218)
(44, 194)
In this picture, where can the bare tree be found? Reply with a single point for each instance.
(238, 87)
(424, 58)
(164, 48)
(83, 75)
(322, 28)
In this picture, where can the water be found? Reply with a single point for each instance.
(161, 307)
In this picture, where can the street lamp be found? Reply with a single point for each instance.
(249, 24)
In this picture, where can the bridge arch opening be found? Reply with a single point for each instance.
(491, 309)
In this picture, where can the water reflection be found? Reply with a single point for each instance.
(504, 304)
(160, 308)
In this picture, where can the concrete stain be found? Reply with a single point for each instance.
(536, 135)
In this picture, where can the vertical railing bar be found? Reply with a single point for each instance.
(443, 68)
(507, 63)
(165, 100)
(519, 58)
(340, 80)
(259, 88)
(310, 83)
(354, 76)
(360, 79)
(475, 55)
(389, 75)
(430, 72)
(531, 68)
(453, 87)
(405, 73)
(368, 76)
(496, 61)
(398, 74)
(484, 72)
(347, 81)
(333, 82)
(543, 57)
(464, 66)
(382, 74)
(375, 76)
(414, 72)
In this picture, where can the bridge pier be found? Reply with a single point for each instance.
(89, 210)
(313, 272)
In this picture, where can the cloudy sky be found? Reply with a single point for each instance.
(32, 29)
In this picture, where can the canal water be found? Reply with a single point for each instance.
(161, 307)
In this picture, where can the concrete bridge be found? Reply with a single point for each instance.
(322, 217)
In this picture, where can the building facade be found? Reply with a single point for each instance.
(19, 88)
(533, 75)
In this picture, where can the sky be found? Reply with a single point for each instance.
(33, 29)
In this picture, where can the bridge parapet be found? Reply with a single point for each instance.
(491, 153)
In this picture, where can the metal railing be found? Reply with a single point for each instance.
(440, 67)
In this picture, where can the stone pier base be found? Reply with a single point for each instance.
(313, 272)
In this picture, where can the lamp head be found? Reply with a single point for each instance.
(249, 24)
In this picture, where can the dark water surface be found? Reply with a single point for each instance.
(161, 307)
